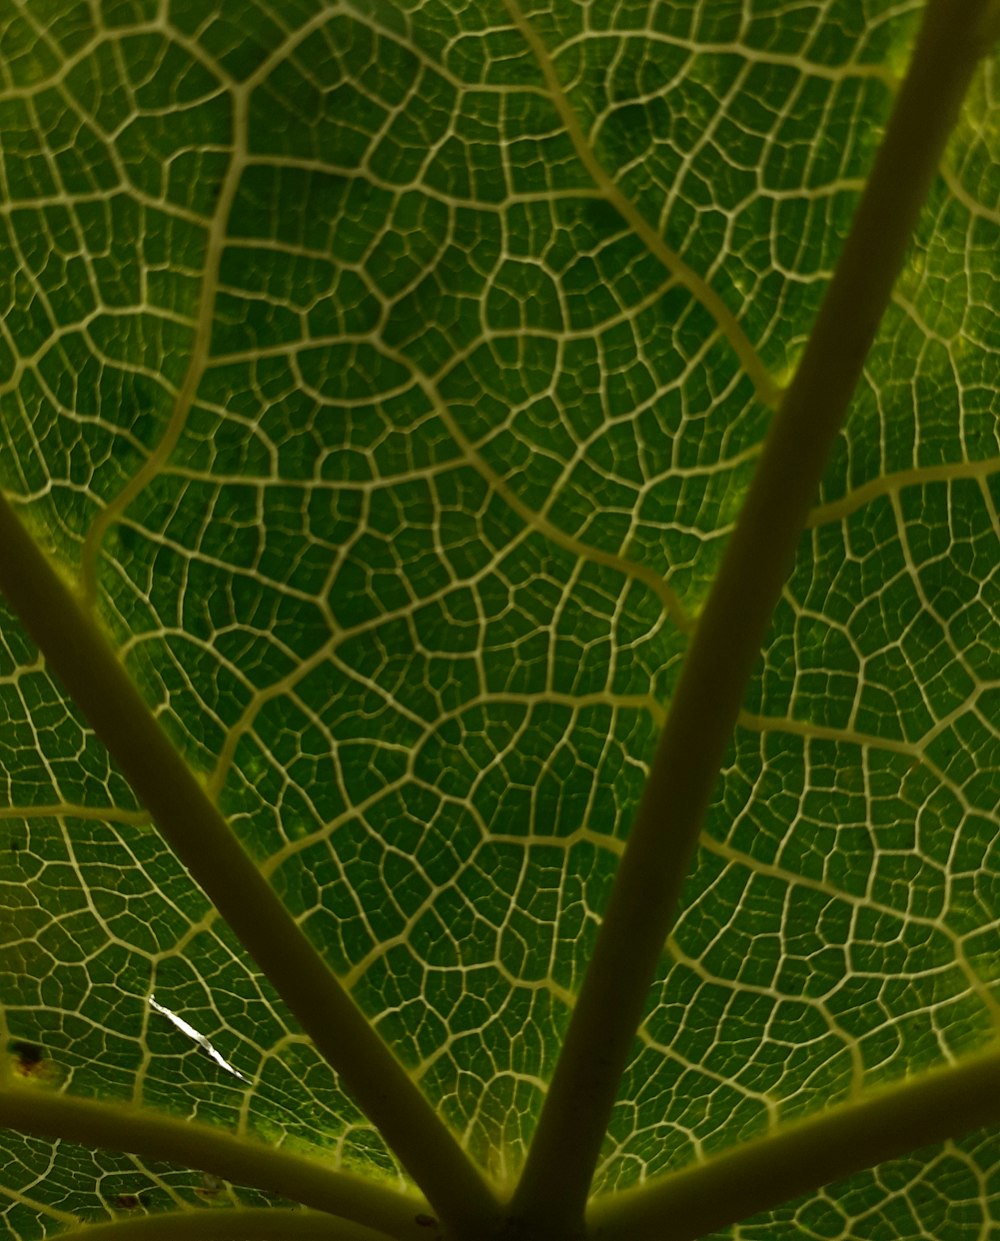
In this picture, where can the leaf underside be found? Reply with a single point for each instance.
(396, 451)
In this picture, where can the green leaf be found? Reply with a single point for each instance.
(384, 384)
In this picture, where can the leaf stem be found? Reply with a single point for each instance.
(213, 1224)
(80, 655)
(552, 1193)
(153, 1135)
(762, 1174)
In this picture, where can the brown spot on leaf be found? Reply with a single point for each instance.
(28, 1058)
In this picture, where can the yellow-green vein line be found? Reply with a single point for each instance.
(767, 389)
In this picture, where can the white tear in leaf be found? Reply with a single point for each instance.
(188, 1029)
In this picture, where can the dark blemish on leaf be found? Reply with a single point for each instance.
(128, 1202)
(30, 1060)
(29, 1056)
(425, 1221)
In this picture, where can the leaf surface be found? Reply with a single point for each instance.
(389, 381)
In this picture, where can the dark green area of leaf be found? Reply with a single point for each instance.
(395, 590)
